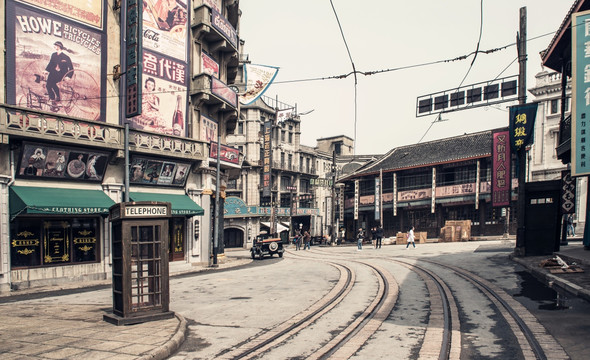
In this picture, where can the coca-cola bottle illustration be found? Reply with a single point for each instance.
(178, 118)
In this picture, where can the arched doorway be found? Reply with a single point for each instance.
(233, 238)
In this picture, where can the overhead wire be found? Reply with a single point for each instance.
(354, 71)
(438, 116)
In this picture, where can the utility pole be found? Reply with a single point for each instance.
(522, 58)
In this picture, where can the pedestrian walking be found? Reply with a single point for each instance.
(379, 234)
(307, 240)
(411, 237)
(374, 236)
(297, 240)
(570, 225)
(359, 239)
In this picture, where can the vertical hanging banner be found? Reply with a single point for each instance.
(341, 204)
(356, 199)
(568, 193)
(580, 159)
(394, 194)
(377, 198)
(133, 63)
(522, 122)
(257, 78)
(433, 203)
(477, 184)
(501, 169)
(267, 159)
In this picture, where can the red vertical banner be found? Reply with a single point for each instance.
(501, 169)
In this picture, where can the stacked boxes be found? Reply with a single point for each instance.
(456, 230)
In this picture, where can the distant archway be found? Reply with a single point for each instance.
(233, 238)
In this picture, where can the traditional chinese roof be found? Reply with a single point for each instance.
(458, 148)
(559, 50)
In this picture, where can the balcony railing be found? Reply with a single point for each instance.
(37, 125)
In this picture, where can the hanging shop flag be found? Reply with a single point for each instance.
(568, 193)
(258, 79)
(522, 122)
(433, 199)
(501, 169)
(378, 198)
(341, 205)
(394, 194)
(356, 199)
(267, 159)
(580, 159)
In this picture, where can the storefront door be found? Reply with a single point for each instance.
(176, 249)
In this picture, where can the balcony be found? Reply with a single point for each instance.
(208, 25)
(563, 149)
(20, 123)
(212, 92)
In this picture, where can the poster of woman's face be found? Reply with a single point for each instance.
(64, 163)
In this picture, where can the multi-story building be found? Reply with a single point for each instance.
(426, 184)
(294, 203)
(73, 77)
(543, 163)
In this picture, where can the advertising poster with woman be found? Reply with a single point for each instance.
(163, 108)
(165, 25)
(56, 63)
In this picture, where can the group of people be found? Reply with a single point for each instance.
(305, 238)
(377, 234)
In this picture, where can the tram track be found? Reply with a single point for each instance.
(263, 341)
(532, 337)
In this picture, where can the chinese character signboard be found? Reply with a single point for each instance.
(501, 169)
(522, 122)
(580, 94)
(341, 204)
(267, 159)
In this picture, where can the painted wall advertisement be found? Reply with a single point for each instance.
(55, 57)
(164, 61)
(164, 95)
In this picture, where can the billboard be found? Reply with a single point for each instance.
(580, 159)
(55, 62)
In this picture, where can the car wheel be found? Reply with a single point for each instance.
(252, 254)
(280, 254)
(273, 246)
(260, 256)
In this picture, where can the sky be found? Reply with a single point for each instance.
(302, 38)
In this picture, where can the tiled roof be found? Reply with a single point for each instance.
(458, 148)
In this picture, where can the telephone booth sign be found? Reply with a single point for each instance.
(140, 262)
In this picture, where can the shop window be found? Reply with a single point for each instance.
(49, 242)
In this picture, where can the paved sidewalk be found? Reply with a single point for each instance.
(577, 284)
(31, 330)
(35, 330)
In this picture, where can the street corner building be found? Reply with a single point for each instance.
(77, 81)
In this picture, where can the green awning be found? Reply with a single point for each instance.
(181, 204)
(55, 201)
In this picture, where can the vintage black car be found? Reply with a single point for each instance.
(265, 244)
